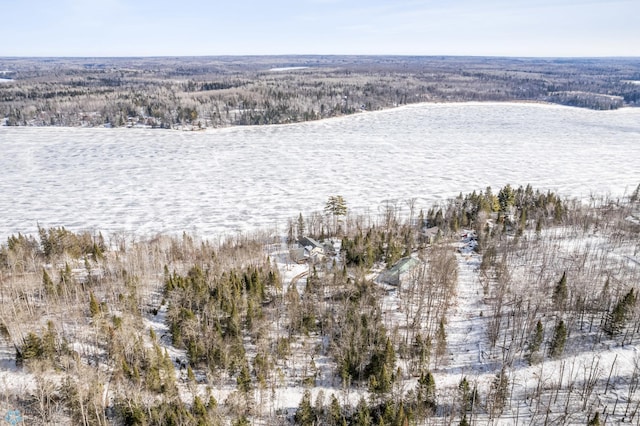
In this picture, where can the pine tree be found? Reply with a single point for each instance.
(499, 391)
(335, 412)
(199, 409)
(468, 396)
(304, 414)
(536, 342)
(560, 292)
(617, 318)
(47, 282)
(336, 207)
(300, 226)
(49, 342)
(426, 393)
(31, 348)
(401, 417)
(362, 417)
(506, 198)
(558, 341)
(94, 307)
(244, 379)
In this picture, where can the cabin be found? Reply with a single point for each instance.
(400, 270)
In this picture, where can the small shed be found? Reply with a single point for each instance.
(431, 234)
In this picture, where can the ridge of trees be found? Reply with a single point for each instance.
(206, 92)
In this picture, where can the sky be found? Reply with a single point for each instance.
(543, 28)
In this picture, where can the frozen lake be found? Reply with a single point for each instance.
(229, 180)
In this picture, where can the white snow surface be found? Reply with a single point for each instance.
(223, 181)
(287, 69)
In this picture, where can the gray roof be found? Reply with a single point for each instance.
(308, 241)
(404, 265)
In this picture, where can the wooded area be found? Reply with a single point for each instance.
(204, 92)
(117, 330)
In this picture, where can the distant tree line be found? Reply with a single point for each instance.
(197, 93)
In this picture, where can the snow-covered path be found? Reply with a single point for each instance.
(466, 327)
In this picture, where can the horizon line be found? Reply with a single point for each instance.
(274, 55)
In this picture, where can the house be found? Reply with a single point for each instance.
(402, 267)
(308, 248)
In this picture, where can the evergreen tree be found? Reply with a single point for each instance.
(535, 342)
(49, 342)
(426, 394)
(300, 226)
(558, 211)
(336, 206)
(621, 312)
(380, 369)
(304, 414)
(31, 348)
(559, 340)
(401, 419)
(244, 379)
(506, 198)
(47, 282)
(94, 307)
(199, 410)
(335, 412)
(560, 292)
(498, 393)
(362, 417)
(319, 411)
(468, 396)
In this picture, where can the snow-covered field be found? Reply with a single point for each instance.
(145, 181)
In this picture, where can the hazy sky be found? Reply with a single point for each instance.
(414, 27)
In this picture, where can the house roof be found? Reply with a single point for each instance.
(308, 241)
(404, 265)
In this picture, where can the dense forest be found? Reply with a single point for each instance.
(204, 92)
(511, 305)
